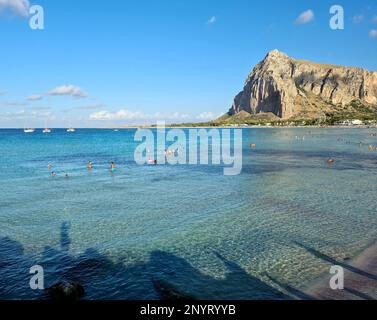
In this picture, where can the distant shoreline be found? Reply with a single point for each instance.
(212, 127)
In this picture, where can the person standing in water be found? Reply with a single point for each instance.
(90, 165)
(112, 166)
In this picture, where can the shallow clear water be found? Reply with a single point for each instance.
(262, 234)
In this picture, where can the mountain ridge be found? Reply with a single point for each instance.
(297, 89)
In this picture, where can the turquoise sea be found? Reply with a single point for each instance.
(267, 233)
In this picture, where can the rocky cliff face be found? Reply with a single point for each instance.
(291, 88)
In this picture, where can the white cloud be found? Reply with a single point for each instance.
(68, 90)
(41, 108)
(119, 115)
(125, 114)
(13, 115)
(373, 33)
(35, 97)
(374, 20)
(212, 20)
(170, 116)
(358, 18)
(305, 17)
(207, 116)
(91, 106)
(23, 114)
(18, 7)
(13, 104)
(64, 90)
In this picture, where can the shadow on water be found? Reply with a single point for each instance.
(163, 276)
(65, 241)
(333, 261)
(359, 294)
(292, 291)
(14, 268)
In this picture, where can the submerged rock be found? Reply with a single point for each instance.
(66, 291)
(167, 292)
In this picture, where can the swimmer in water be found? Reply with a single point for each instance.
(53, 174)
(49, 166)
(330, 161)
(112, 166)
(152, 162)
(90, 165)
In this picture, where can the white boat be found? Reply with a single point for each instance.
(27, 129)
(46, 129)
(71, 130)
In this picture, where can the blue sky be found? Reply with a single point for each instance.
(99, 63)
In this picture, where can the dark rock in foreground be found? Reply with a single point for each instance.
(167, 292)
(66, 291)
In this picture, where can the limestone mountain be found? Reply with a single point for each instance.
(288, 88)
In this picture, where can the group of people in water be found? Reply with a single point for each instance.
(174, 152)
(151, 161)
(90, 168)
